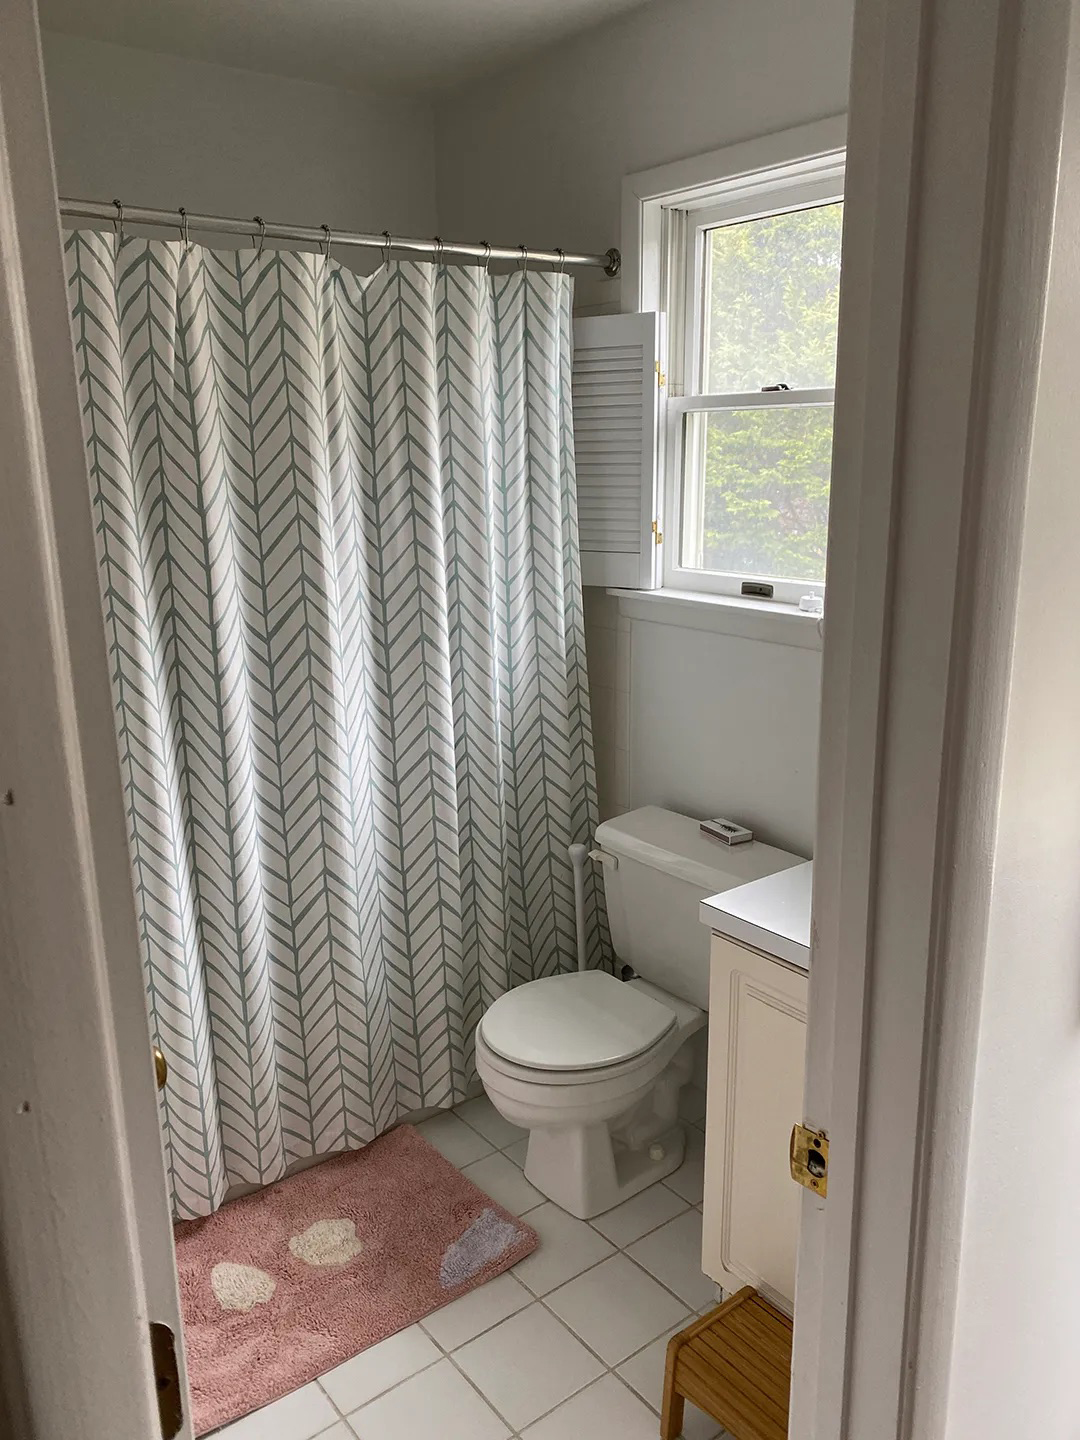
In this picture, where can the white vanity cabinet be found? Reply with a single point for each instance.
(757, 1051)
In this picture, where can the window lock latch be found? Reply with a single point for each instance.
(766, 388)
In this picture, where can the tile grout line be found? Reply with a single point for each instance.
(597, 1263)
(535, 1299)
(381, 1393)
(611, 1369)
(448, 1355)
(608, 1369)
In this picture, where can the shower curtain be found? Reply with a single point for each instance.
(338, 553)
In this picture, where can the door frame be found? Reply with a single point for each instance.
(86, 1258)
(953, 142)
(955, 126)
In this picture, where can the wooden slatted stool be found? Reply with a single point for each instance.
(735, 1364)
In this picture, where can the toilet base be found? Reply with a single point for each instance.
(598, 1136)
(586, 1171)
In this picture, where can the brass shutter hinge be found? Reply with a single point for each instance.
(658, 537)
(809, 1159)
(661, 378)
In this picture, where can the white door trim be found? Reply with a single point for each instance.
(954, 128)
(85, 1238)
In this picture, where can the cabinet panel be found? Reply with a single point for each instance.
(757, 1048)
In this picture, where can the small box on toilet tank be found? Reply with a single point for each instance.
(726, 831)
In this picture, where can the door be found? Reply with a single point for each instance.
(955, 129)
(86, 1237)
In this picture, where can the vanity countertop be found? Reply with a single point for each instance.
(771, 914)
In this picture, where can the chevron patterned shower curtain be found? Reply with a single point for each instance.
(337, 538)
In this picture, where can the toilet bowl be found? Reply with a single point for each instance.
(592, 1067)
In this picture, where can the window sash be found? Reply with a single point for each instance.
(681, 577)
(746, 204)
(671, 211)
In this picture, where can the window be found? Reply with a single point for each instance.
(751, 278)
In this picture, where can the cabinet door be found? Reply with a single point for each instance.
(757, 1048)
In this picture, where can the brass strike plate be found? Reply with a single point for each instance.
(167, 1379)
(809, 1157)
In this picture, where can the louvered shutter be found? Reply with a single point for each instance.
(616, 414)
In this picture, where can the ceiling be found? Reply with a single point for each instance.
(392, 45)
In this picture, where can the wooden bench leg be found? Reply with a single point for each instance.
(671, 1417)
(671, 1420)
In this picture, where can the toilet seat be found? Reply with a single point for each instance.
(575, 1025)
(600, 1080)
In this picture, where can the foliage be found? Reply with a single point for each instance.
(766, 497)
(773, 291)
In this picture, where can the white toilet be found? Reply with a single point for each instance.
(592, 1066)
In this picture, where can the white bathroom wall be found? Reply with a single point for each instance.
(162, 131)
(538, 154)
(683, 716)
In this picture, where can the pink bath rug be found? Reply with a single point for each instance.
(281, 1286)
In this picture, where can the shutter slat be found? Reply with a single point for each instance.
(616, 412)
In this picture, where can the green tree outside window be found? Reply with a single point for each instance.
(772, 287)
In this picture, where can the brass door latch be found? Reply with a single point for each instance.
(809, 1159)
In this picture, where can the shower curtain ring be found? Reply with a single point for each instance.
(560, 269)
(487, 257)
(118, 223)
(387, 247)
(329, 240)
(184, 236)
(261, 223)
(439, 248)
(524, 258)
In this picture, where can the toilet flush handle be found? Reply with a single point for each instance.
(605, 858)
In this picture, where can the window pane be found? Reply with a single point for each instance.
(772, 290)
(756, 491)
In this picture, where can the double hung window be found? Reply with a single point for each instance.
(753, 285)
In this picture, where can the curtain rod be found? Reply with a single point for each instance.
(181, 220)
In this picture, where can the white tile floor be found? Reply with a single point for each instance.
(569, 1345)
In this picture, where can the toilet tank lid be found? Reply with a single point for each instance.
(673, 843)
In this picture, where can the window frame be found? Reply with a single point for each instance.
(667, 213)
(760, 197)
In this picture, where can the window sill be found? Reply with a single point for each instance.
(748, 619)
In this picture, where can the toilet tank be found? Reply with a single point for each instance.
(658, 867)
